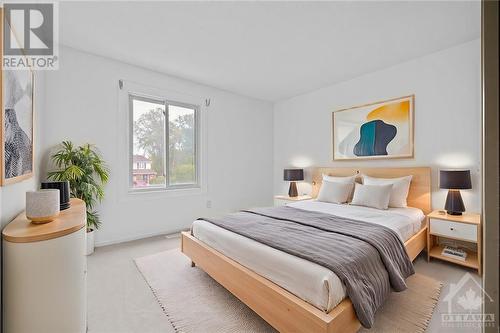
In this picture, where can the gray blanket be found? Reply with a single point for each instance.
(368, 258)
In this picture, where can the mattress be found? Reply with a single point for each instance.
(311, 282)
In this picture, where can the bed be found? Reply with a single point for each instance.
(293, 294)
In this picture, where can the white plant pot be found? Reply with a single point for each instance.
(90, 242)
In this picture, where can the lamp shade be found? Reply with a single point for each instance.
(455, 179)
(293, 174)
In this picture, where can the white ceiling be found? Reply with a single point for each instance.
(267, 50)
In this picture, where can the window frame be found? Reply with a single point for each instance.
(196, 109)
(196, 185)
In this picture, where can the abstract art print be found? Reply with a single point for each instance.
(374, 131)
(17, 126)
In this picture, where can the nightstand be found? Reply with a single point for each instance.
(281, 200)
(456, 228)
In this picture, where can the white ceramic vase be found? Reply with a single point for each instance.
(42, 206)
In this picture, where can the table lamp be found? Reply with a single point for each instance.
(293, 175)
(454, 181)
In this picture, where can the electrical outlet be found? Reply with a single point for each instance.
(209, 203)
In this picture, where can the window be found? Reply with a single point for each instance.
(163, 143)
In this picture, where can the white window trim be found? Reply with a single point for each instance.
(125, 149)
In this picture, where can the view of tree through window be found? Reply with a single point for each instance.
(153, 164)
(181, 159)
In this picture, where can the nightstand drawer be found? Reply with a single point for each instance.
(282, 200)
(454, 229)
(278, 202)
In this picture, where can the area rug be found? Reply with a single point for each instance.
(194, 302)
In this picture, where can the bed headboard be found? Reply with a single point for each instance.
(420, 187)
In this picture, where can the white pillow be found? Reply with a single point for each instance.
(334, 192)
(345, 180)
(376, 196)
(400, 188)
(348, 179)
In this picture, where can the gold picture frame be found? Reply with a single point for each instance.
(22, 133)
(354, 130)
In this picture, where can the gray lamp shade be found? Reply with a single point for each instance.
(455, 179)
(293, 175)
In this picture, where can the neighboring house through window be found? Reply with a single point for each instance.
(142, 174)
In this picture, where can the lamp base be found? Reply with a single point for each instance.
(292, 191)
(454, 204)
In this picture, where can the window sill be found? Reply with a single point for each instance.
(134, 196)
(181, 191)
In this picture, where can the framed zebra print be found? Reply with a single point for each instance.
(16, 124)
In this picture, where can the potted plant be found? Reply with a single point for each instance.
(87, 174)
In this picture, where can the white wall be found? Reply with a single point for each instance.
(82, 106)
(447, 118)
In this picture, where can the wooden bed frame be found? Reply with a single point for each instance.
(280, 308)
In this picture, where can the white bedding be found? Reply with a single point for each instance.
(406, 222)
(309, 281)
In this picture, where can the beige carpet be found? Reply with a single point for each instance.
(194, 302)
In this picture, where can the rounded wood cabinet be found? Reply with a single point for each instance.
(44, 274)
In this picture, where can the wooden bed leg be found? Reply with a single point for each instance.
(193, 264)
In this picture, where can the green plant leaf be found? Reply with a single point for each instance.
(73, 172)
(86, 172)
(93, 220)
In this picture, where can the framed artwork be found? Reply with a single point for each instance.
(16, 124)
(379, 130)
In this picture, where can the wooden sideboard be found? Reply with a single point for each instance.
(44, 273)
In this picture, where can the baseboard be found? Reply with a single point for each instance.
(137, 237)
